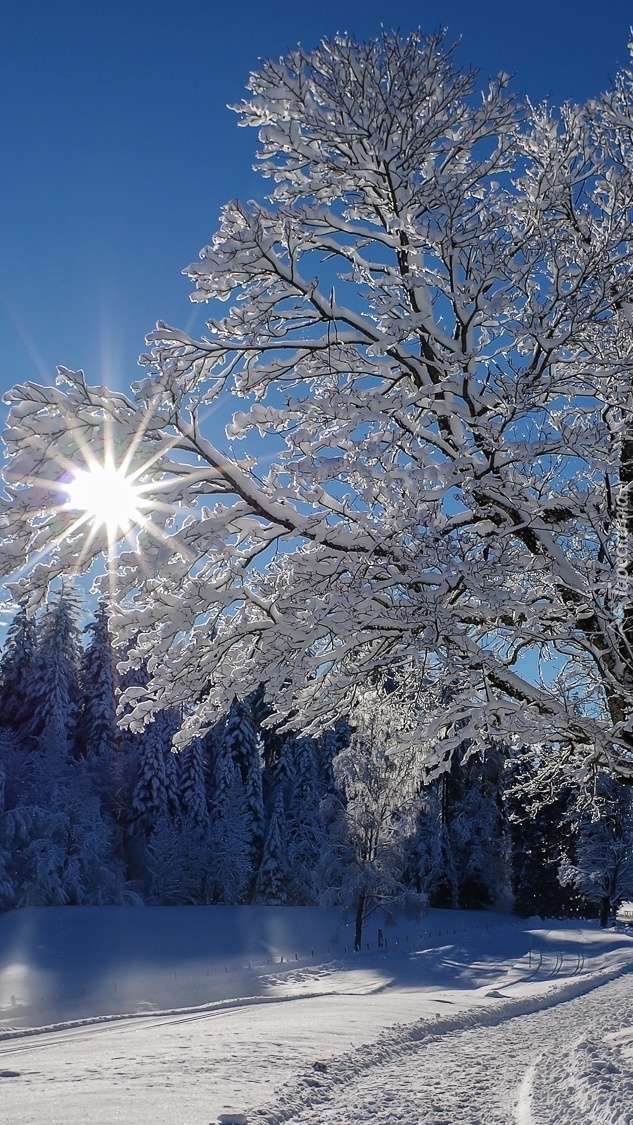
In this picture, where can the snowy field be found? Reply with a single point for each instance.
(175, 1016)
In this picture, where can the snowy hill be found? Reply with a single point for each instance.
(174, 1015)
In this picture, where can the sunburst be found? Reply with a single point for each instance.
(107, 496)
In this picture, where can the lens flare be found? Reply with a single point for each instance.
(107, 496)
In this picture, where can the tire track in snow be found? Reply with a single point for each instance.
(523, 1107)
(313, 1098)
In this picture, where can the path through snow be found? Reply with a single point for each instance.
(559, 1066)
(477, 1020)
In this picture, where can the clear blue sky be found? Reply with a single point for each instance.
(118, 149)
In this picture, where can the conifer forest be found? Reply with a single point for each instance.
(94, 813)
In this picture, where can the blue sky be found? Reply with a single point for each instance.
(118, 148)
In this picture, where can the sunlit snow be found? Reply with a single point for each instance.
(177, 1016)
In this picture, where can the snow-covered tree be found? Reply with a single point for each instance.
(178, 862)
(155, 791)
(373, 819)
(305, 822)
(241, 743)
(16, 667)
(192, 785)
(63, 853)
(429, 328)
(98, 733)
(474, 828)
(53, 688)
(231, 870)
(430, 868)
(602, 867)
(274, 878)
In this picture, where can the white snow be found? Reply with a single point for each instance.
(177, 1016)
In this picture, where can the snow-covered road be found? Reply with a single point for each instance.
(564, 1065)
(475, 1021)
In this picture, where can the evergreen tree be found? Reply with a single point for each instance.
(305, 825)
(178, 858)
(150, 799)
(231, 870)
(16, 669)
(476, 830)
(98, 733)
(273, 885)
(192, 784)
(540, 816)
(272, 739)
(430, 869)
(172, 778)
(63, 853)
(53, 690)
(242, 741)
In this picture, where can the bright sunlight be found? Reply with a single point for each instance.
(107, 496)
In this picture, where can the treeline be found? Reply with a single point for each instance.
(91, 813)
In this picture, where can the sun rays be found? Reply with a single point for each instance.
(103, 490)
(107, 496)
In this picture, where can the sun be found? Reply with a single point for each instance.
(107, 496)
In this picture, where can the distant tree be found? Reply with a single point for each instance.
(602, 869)
(539, 803)
(430, 869)
(16, 669)
(231, 871)
(241, 743)
(178, 859)
(98, 733)
(192, 785)
(373, 818)
(475, 826)
(273, 885)
(63, 853)
(304, 822)
(151, 799)
(53, 688)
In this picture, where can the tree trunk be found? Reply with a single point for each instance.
(358, 932)
(605, 910)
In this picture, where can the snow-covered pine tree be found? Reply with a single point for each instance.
(193, 785)
(63, 853)
(98, 735)
(98, 732)
(430, 869)
(172, 778)
(231, 872)
(151, 797)
(274, 878)
(52, 696)
(473, 818)
(241, 743)
(307, 838)
(16, 668)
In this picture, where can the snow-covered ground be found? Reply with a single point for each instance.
(174, 1016)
